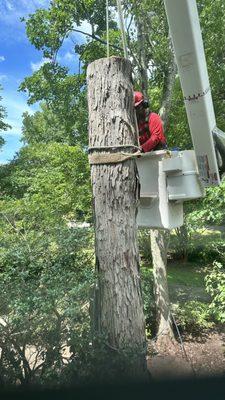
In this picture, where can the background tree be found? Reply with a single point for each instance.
(53, 179)
(46, 266)
(3, 125)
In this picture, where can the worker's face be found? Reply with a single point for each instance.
(140, 112)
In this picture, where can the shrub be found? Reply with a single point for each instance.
(215, 286)
(44, 306)
(193, 316)
(144, 243)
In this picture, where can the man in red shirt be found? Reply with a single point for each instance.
(150, 126)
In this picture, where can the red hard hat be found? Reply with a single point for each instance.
(138, 98)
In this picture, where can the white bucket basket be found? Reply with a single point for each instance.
(167, 180)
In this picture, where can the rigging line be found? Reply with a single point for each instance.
(107, 26)
(182, 344)
(122, 28)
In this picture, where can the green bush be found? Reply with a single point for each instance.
(45, 290)
(205, 248)
(144, 243)
(199, 246)
(215, 286)
(193, 316)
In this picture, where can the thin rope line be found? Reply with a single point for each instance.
(122, 28)
(154, 339)
(107, 26)
(182, 344)
(179, 335)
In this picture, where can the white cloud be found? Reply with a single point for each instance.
(11, 12)
(85, 27)
(35, 3)
(36, 66)
(26, 6)
(15, 104)
(15, 126)
(9, 5)
(18, 105)
(3, 77)
(2, 58)
(69, 56)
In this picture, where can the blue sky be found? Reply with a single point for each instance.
(18, 59)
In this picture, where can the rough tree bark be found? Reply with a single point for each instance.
(182, 235)
(159, 246)
(118, 305)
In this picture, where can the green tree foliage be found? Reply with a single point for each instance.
(47, 184)
(64, 93)
(3, 125)
(215, 286)
(47, 30)
(212, 16)
(194, 317)
(152, 17)
(46, 125)
(44, 292)
(209, 210)
(63, 117)
(43, 127)
(46, 264)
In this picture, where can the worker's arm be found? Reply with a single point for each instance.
(156, 133)
(143, 138)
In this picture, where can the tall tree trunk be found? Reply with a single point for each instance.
(160, 238)
(118, 305)
(159, 246)
(182, 245)
(169, 80)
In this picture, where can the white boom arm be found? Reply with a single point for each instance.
(187, 41)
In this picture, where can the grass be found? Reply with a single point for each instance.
(186, 279)
(186, 274)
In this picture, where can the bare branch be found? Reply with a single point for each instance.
(98, 39)
(129, 25)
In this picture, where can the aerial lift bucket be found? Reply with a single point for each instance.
(167, 179)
